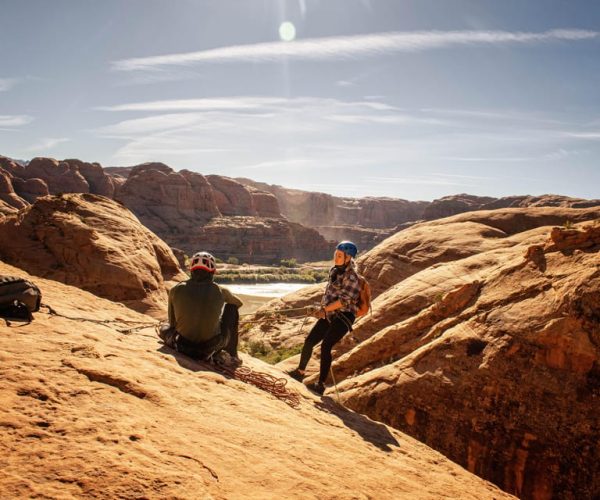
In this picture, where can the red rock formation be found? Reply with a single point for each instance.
(232, 197)
(130, 418)
(254, 240)
(265, 204)
(320, 209)
(30, 189)
(456, 204)
(501, 374)
(182, 208)
(367, 218)
(10, 202)
(166, 201)
(422, 247)
(93, 243)
(60, 177)
(98, 181)
(11, 166)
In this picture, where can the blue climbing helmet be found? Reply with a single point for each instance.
(348, 247)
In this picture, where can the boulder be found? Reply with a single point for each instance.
(9, 201)
(95, 244)
(60, 177)
(14, 168)
(30, 189)
(98, 181)
(500, 370)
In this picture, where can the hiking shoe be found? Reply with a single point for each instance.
(168, 335)
(223, 358)
(296, 375)
(317, 388)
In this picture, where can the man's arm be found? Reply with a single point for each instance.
(230, 298)
(171, 309)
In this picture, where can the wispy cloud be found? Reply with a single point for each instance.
(425, 180)
(240, 103)
(350, 47)
(7, 83)
(594, 136)
(11, 121)
(48, 143)
(486, 159)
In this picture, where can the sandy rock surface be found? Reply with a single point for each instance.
(501, 373)
(88, 410)
(426, 250)
(94, 243)
(485, 345)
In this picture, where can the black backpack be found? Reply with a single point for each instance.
(18, 298)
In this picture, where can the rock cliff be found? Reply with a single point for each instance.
(501, 373)
(370, 220)
(186, 209)
(484, 342)
(87, 411)
(95, 244)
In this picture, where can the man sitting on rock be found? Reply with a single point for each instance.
(203, 316)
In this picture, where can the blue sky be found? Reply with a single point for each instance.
(411, 99)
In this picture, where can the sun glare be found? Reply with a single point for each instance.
(287, 31)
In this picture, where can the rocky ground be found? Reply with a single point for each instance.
(484, 342)
(88, 410)
(94, 243)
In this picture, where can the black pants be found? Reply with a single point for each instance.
(227, 339)
(330, 333)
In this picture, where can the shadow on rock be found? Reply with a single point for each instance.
(373, 432)
(188, 363)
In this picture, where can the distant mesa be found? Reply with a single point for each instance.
(252, 221)
(186, 209)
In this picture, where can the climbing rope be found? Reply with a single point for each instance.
(140, 324)
(276, 311)
(273, 385)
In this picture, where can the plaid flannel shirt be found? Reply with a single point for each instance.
(345, 288)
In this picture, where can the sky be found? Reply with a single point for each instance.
(414, 99)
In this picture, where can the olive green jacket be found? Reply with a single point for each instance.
(195, 307)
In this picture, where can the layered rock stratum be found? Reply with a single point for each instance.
(89, 409)
(186, 209)
(288, 223)
(483, 342)
(93, 243)
(370, 220)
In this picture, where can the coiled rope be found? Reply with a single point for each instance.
(276, 386)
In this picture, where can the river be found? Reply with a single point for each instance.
(270, 290)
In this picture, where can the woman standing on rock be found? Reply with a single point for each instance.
(336, 314)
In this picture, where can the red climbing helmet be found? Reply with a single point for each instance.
(203, 260)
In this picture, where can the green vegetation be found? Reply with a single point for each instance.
(233, 261)
(288, 262)
(266, 353)
(271, 275)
